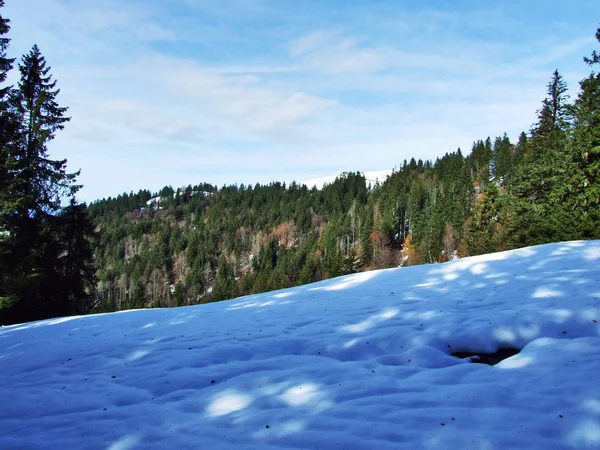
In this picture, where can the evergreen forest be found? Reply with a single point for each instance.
(203, 243)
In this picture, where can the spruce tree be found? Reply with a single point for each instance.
(544, 175)
(44, 182)
(76, 273)
(6, 64)
(8, 124)
(8, 135)
(586, 149)
(554, 114)
(42, 254)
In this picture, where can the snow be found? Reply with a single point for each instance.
(357, 362)
(374, 177)
(153, 201)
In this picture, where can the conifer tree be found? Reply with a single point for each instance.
(6, 64)
(502, 159)
(44, 255)
(224, 287)
(554, 114)
(544, 175)
(8, 135)
(586, 148)
(8, 124)
(44, 182)
(76, 274)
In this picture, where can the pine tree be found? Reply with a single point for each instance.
(34, 281)
(224, 287)
(543, 178)
(8, 124)
(486, 231)
(76, 274)
(554, 114)
(44, 182)
(502, 159)
(6, 64)
(8, 135)
(586, 149)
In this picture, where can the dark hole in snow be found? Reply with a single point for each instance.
(491, 359)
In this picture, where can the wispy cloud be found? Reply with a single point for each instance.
(245, 99)
(331, 52)
(245, 91)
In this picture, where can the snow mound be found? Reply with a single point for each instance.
(357, 362)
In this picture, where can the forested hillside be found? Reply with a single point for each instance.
(203, 243)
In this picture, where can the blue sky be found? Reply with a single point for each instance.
(243, 91)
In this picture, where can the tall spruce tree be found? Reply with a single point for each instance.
(8, 124)
(45, 182)
(554, 114)
(8, 135)
(76, 273)
(44, 257)
(543, 177)
(586, 148)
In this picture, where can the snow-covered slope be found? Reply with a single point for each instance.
(372, 177)
(359, 362)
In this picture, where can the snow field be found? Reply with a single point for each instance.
(356, 362)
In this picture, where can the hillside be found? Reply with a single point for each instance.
(205, 243)
(356, 362)
(202, 243)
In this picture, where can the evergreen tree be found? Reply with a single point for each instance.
(502, 159)
(42, 183)
(586, 149)
(6, 64)
(544, 176)
(8, 135)
(74, 262)
(486, 231)
(554, 114)
(8, 124)
(224, 287)
(36, 283)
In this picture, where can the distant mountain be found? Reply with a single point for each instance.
(378, 176)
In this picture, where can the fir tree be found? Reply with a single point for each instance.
(42, 182)
(45, 255)
(76, 273)
(8, 135)
(554, 114)
(586, 148)
(544, 175)
(6, 64)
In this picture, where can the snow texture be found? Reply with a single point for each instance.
(358, 362)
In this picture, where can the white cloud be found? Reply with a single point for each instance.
(334, 53)
(220, 92)
(245, 99)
